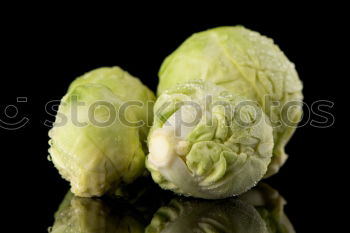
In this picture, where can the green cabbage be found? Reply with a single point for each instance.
(96, 158)
(245, 63)
(216, 156)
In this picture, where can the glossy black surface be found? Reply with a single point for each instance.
(42, 55)
(144, 208)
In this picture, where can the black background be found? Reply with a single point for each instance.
(42, 54)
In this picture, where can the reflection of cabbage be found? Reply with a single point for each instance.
(270, 204)
(246, 63)
(96, 158)
(231, 216)
(88, 215)
(260, 210)
(216, 156)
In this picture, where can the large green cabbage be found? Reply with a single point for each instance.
(245, 63)
(207, 142)
(105, 151)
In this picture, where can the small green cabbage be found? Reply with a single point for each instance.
(92, 215)
(207, 142)
(98, 156)
(270, 204)
(245, 63)
(187, 216)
